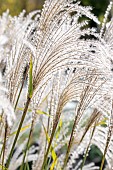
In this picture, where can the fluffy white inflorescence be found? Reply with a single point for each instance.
(6, 109)
(67, 66)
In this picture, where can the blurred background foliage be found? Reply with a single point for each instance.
(99, 7)
(15, 6)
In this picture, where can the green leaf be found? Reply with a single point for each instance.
(59, 128)
(22, 129)
(2, 167)
(54, 156)
(21, 109)
(102, 122)
(42, 113)
(30, 87)
(37, 111)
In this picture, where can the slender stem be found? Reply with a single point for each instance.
(102, 163)
(50, 142)
(68, 150)
(84, 160)
(1, 151)
(18, 131)
(51, 138)
(48, 125)
(73, 130)
(30, 133)
(108, 138)
(103, 159)
(24, 78)
(70, 143)
(4, 144)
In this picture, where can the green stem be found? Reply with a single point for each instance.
(68, 151)
(51, 138)
(102, 163)
(50, 142)
(0, 133)
(106, 147)
(30, 133)
(70, 144)
(103, 159)
(84, 160)
(48, 124)
(24, 78)
(4, 144)
(1, 151)
(18, 131)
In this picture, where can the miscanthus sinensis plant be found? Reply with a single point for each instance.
(49, 61)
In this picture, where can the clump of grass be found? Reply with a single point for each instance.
(47, 64)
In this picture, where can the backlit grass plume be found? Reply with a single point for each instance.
(56, 88)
